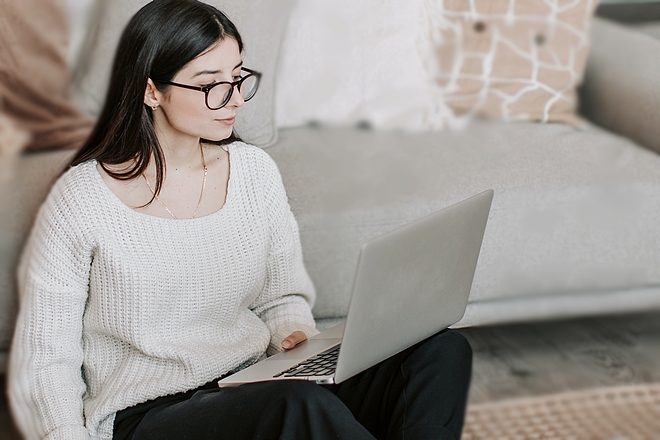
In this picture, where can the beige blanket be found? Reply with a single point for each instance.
(34, 75)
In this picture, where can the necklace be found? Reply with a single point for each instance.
(200, 194)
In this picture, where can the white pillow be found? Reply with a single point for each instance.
(352, 61)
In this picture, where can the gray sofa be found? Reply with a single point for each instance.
(574, 224)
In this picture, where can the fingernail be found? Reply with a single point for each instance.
(286, 344)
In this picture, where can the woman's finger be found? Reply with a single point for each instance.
(294, 339)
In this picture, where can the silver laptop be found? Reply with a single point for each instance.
(410, 284)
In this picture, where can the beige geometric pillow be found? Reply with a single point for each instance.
(508, 59)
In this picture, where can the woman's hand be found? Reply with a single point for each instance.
(293, 339)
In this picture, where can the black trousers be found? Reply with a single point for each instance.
(420, 393)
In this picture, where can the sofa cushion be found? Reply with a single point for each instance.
(260, 24)
(510, 60)
(347, 62)
(12, 140)
(574, 209)
(422, 64)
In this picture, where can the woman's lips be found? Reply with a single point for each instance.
(228, 121)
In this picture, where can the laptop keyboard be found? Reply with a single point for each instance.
(322, 364)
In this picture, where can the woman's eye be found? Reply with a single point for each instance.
(237, 77)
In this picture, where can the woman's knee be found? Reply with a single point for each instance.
(458, 344)
(311, 411)
(447, 349)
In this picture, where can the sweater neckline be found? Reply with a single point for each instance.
(117, 201)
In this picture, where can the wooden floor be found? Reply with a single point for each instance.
(544, 357)
(550, 357)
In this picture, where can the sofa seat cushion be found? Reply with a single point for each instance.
(575, 209)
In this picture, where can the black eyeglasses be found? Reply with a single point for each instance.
(218, 94)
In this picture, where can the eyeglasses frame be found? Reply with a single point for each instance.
(233, 84)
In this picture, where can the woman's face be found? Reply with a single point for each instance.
(184, 111)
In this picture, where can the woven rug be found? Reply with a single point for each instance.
(613, 413)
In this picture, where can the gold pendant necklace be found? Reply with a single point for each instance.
(200, 194)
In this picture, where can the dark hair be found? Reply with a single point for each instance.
(158, 41)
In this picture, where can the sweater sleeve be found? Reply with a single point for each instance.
(46, 385)
(288, 294)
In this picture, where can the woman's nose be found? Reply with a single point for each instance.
(236, 100)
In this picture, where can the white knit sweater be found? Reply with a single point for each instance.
(118, 307)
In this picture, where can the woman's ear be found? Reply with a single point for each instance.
(152, 95)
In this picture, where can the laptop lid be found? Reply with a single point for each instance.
(411, 283)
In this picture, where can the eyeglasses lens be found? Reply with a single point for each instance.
(219, 95)
(249, 87)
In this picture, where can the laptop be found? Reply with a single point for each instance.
(410, 284)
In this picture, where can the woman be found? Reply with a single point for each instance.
(167, 256)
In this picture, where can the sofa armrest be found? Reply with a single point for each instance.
(621, 89)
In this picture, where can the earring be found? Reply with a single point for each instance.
(154, 107)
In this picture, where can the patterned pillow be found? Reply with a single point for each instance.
(515, 60)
